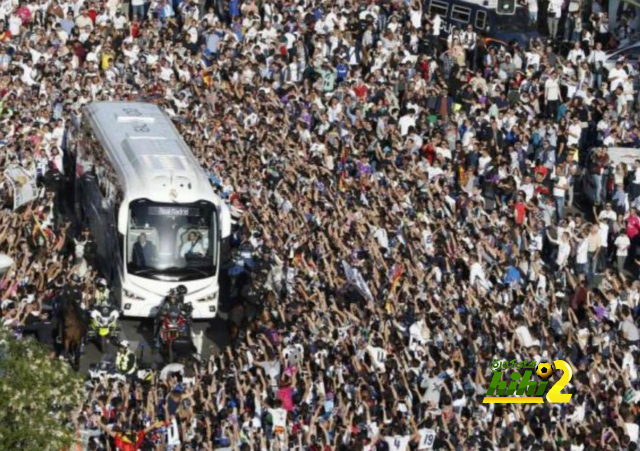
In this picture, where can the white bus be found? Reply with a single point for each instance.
(155, 218)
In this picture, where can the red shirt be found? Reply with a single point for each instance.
(92, 15)
(123, 444)
(424, 66)
(361, 91)
(633, 226)
(520, 211)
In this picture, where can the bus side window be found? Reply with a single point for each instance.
(439, 7)
(461, 14)
(481, 19)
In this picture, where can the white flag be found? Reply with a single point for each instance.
(23, 184)
(355, 278)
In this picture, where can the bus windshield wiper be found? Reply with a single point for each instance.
(187, 268)
(137, 272)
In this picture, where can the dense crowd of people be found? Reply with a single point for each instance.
(422, 204)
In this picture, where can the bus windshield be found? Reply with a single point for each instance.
(518, 22)
(172, 242)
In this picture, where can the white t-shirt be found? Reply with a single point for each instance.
(552, 89)
(603, 231)
(524, 336)
(427, 437)
(622, 244)
(279, 417)
(555, 8)
(482, 164)
(582, 251)
(610, 214)
(564, 251)
(633, 430)
(378, 356)
(557, 191)
(398, 442)
(617, 78)
(574, 134)
(14, 25)
(405, 122)
(437, 23)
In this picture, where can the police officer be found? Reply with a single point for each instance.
(169, 303)
(54, 183)
(103, 294)
(181, 290)
(125, 359)
(73, 289)
(185, 309)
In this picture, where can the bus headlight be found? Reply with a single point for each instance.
(132, 295)
(210, 298)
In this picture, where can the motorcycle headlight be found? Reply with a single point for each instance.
(132, 295)
(210, 298)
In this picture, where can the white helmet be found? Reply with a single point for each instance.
(124, 344)
(101, 282)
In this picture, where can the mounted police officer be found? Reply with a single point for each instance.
(73, 290)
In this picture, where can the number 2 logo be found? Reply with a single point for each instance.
(554, 394)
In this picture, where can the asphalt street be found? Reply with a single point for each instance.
(139, 334)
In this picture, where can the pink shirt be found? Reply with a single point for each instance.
(285, 394)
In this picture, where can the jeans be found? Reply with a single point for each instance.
(569, 25)
(559, 201)
(597, 195)
(570, 195)
(138, 11)
(533, 18)
(634, 192)
(621, 262)
(592, 266)
(552, 108)
(552, 23)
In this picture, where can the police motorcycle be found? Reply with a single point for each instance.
(103, 324)
(173, 325)
(125, 365)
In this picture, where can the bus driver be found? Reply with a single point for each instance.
(193, 247)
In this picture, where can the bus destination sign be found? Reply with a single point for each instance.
(173, 211)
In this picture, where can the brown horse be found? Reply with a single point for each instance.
(73, 328)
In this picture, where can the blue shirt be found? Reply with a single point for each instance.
(343, 70)
(67, 25)
(234, 8)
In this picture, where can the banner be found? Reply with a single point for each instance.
(627, 155)
(24, 186)
(355, 278)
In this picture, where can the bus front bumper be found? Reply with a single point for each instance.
(138, 309)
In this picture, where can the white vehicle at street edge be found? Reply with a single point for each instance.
(156, 220)
(631, 52)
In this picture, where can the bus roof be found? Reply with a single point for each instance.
(488, 4)
(148, 153)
